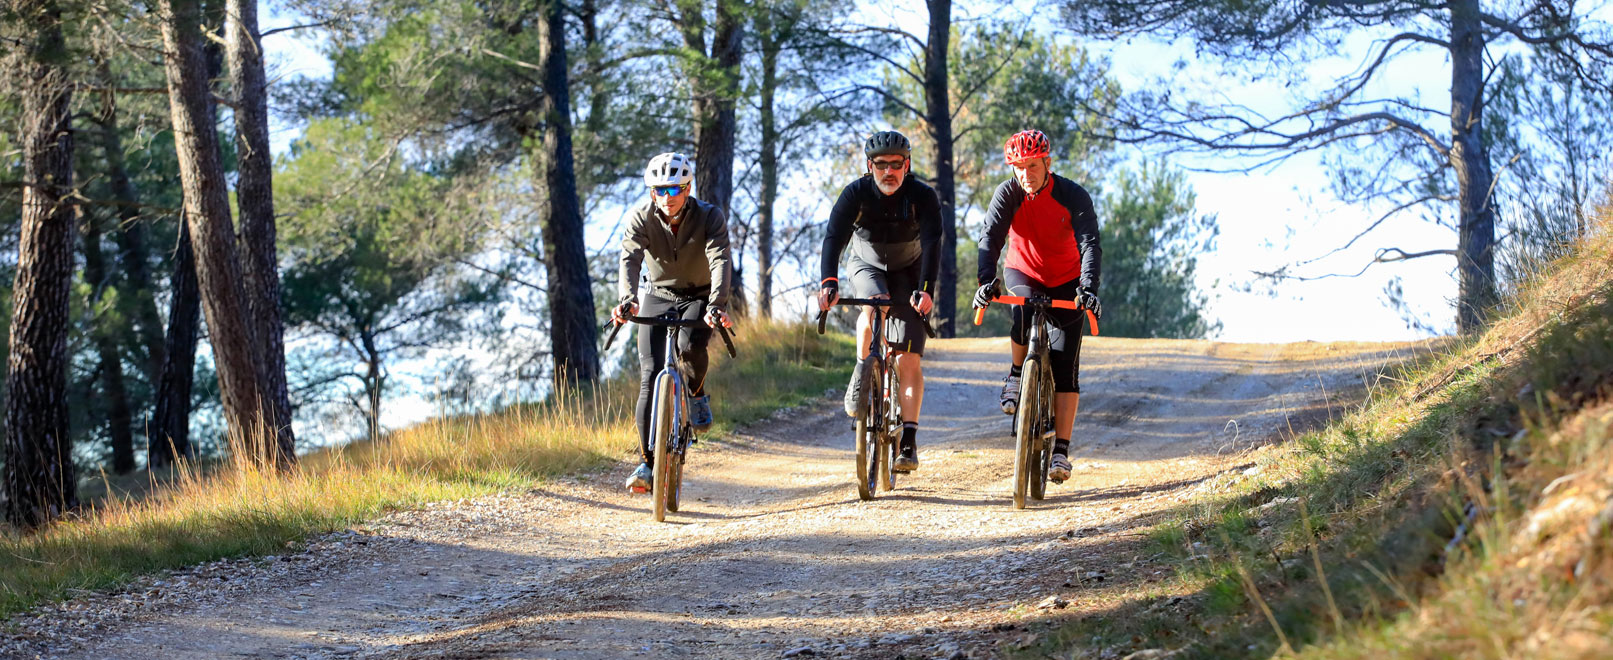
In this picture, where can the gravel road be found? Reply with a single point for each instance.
(773, 555)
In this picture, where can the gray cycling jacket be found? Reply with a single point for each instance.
(694, 262)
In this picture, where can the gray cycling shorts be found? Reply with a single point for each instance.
(903, 329)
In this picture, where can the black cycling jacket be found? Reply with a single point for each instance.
(892, 231)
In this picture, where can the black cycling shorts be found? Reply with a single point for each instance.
(904, 331)
(1064, 330)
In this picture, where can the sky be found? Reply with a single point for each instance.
(1267, 218)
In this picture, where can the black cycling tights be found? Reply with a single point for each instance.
(1064, 330)
(652, 341)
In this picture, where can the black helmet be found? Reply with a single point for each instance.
(887, 143)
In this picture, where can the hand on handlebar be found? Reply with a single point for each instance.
(620, 313)
(1089, 300)
(922, 303)
(985, 293)
(828, 294)
(716, 316)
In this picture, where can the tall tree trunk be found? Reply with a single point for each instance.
(938, 117)
(170, 423)
(595, 125)
(374, 384)
(769, 166)
(1471, 159)
(598, 91)
(40, 481)
(131, 234)
(169, 431)
(716, 83)
(120, 422)
(254, 192)
(572, 334)
(207, 210)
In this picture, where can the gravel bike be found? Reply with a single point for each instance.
(879, 414)
(1033, 421)
(671, 432)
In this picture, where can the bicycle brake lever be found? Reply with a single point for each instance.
(929, 330)
(727, 341)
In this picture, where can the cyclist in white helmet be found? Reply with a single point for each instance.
(682, 245)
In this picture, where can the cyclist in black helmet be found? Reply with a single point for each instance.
(893, 223)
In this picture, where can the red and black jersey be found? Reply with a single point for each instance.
(1051, 235)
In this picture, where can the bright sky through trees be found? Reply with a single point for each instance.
(1268, 217)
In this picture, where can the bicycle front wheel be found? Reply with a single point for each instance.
(868, 446)
(661, 436)
(1027, 429)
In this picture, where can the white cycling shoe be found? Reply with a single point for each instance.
(1010, 397)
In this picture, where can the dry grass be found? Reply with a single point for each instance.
(194, 515)
(1465, 513)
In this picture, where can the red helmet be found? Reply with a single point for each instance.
(1026, 145)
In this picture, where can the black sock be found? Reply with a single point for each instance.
(910, 434)
(1061, 446)
(1014, 370)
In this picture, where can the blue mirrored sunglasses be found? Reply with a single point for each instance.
(668, 191)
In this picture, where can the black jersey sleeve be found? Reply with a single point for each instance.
(839, 230)
(1084, 222)
(928, 207)
(1004, 203)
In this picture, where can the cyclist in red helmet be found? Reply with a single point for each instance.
(1051, 232)
(893, 225)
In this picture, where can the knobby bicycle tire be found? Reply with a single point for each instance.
(1025, 429)
(878, 421)
(661, 428)
(867, 447)
(1044, 449)
(891, 405)
(675, 479)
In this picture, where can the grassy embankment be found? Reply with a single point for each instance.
(231, 511)
(1464, 512)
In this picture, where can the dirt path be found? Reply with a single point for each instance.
(773, 555)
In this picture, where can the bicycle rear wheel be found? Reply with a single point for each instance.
(1042, 457)
(661, 437)
(675, 479)
(1027, 430)
(890, 427)
(868, 447)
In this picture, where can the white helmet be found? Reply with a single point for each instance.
(669, 169)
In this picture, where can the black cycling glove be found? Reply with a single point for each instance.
(1089, 300)
(985, 293)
